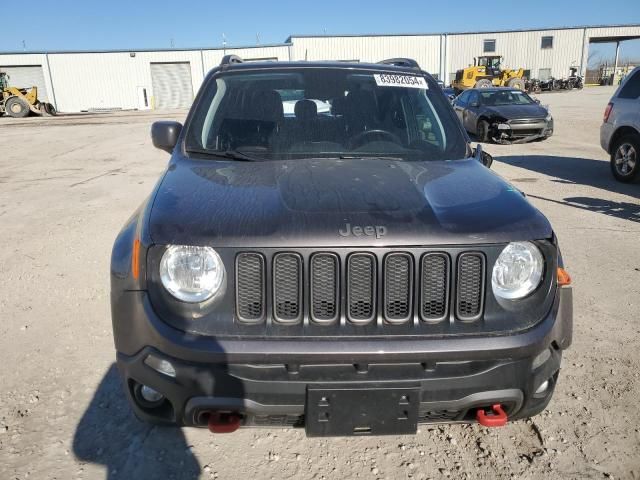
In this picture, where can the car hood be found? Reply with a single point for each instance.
(513, 112)
(320, 202)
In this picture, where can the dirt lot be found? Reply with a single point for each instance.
(67, 184)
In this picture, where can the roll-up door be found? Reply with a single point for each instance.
(171, 83)
(27, 76)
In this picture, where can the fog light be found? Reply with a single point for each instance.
(150, 395)
(543, 387)
(160, 365)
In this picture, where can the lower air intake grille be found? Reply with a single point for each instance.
(287, 288)
(250, 304)
(434, 288)
(361, 281)
(470, 291)
(324, 287)
(435, 416)
(398, 284)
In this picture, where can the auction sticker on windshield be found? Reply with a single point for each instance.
(391, 80)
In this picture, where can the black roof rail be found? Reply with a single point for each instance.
(401, 62)
(229, 59)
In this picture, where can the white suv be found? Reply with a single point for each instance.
(620, 130)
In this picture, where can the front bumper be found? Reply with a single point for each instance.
(521, 132)
(606, 132)
(267, 381)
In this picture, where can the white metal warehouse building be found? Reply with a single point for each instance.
(77, 81)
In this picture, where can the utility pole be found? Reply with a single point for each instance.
(224, 44)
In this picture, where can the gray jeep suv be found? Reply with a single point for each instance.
(620, 130)
(348, 265)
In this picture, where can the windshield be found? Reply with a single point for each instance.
(323, 112)
(505, 97)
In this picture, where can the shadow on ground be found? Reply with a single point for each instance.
(580, 171)
(109, 434)
(573, 170)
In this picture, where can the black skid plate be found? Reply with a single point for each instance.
(361, 411)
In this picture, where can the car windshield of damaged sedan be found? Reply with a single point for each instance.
(324, 113)
(497, 98)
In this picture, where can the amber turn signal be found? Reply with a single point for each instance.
(563, 277)
(135, 259)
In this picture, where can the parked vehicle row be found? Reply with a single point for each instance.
(536, 86)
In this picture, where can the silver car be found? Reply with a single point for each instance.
(620, 130)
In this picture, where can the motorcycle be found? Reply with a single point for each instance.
(550, 84)
(532, 86)
(576, 82)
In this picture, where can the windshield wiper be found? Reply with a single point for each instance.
(229, 154)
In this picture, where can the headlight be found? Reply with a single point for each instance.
(191, 274)
(517, 271)
(548, 118)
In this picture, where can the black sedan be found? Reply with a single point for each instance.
(503, 115)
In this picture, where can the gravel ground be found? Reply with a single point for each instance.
(67, 184)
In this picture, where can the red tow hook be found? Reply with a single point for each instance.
(496, 419)
(224, 422)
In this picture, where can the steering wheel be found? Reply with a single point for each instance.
(373, 135)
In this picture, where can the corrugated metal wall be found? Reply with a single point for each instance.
(110, 80)
(423, 48)
(82, 81)
(519, 49)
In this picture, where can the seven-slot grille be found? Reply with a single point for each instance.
(430, 279)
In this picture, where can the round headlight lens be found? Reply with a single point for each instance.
(191, 274)
(517, 271)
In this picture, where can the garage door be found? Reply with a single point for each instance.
(27, 77)
(171, 83)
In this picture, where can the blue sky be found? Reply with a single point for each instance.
(75, 25)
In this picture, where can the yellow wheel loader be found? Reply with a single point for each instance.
(486, 72)
(18, 102)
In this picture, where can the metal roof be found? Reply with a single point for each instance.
(142, 50)
(480, 32)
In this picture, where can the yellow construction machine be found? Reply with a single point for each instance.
(486, 72)
(18, 102)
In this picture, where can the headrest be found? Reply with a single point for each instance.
(306, 110)
(265, 106)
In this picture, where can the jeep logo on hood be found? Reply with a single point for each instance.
(357, 231)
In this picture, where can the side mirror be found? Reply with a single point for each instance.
(537, 100)
(482, 156)
(164, 134)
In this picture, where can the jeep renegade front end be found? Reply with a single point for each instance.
(325, 250)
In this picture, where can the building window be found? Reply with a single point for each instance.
(489, 46)
(547, 42)
(544, 74)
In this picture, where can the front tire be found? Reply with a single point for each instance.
(16, 107)
(516, 83)
(483, 83)
(482, 131)
(625, 159)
